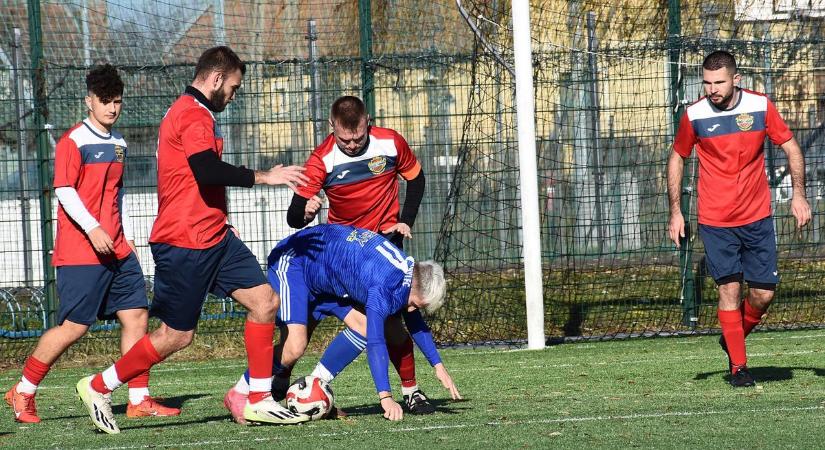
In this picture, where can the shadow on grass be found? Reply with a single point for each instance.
(765, 374)
(144, 424)
(441, 406)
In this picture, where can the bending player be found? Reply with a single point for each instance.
(325, 269)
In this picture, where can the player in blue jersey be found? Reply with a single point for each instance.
(326, 270)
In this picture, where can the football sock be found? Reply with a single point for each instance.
(258, 340)
(242, 386)
(34, 371)
(342, 351)
(278, 371)
(137, 360)
(139, 388)
(404, 361)
(731, 323)
(750, 317)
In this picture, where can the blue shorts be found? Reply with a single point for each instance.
(183, 277)
(286, 276)
(99, 291)
(746, 252)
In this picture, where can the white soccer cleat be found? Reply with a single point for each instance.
(270, 411)
(99, 406)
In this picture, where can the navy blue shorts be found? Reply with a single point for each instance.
(746, 252)
(183, 277)
(99, 291)
(298, 304)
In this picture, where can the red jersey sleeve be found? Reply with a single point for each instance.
(66, 163)
(197, 131)
(316, 171)
(406, 164)
(777, 129)
(685, 137)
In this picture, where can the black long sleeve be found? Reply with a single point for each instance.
(295, 213)
(209, 169)
(412, 199)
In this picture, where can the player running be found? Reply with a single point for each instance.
(323, 270)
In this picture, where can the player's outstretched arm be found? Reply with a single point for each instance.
(796, 163)
(378, 360)
(446, 381)
(290, 176)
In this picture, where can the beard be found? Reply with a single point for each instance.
(218, 100)
(724, 102)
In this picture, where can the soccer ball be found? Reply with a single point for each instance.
(311, 396)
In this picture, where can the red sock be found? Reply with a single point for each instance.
(259, 353)
(140, 381)
(403, 359)
(731, 322)
(750, 317)
(137, 360)
(35, 370)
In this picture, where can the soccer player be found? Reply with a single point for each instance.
(358, 166)
(194, 250)
(98, 273)
(728, 127)
(324, 270)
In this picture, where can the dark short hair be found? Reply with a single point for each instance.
(348, 111)
(219, 59)
(718, 60)
(104, 82)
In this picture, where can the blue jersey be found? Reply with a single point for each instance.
(344, 261)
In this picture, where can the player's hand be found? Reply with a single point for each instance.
(676, 228)
(392, 410)
(290, 176)
(446, 380)
(400, 228)
(101, 241)
(312, 208)
(801, 210)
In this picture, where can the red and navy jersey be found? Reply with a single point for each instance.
(363, 189)
(91, 162)
(733, 187)
(189, 215)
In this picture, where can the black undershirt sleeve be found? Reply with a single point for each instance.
(209, 169)
(412, 199)
(295, 213)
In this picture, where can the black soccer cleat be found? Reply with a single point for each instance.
(742, 378)
(417, 403)
(724, 346)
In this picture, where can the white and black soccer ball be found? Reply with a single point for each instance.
(311, 396)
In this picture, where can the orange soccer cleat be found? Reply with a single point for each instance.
(150, 407)
(25, 409)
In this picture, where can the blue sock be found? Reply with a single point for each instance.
(341, 352)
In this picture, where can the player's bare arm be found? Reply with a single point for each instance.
(675, 170)
(290, 176)
(796, 163)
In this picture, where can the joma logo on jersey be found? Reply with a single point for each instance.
(744, 121)
(119, 153)
(377, 164)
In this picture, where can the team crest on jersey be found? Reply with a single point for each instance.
(744, 121)
(360, 237)
(119, 153)
(378, 164)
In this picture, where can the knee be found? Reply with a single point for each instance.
(264, 305)
(760, 298)
(175, 340)
(74, 331)
(294, 349)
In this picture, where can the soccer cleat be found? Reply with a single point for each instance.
(150, 407)
(724, 346)
(417, 403)
(99, 406)
(279, 388)
(742, 378)
(270, 411)
(25, 409)
(235, 402)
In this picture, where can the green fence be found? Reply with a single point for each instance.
(609, 76)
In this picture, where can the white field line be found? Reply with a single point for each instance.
(660, 415)
(657, 361)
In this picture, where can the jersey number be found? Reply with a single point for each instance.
(395, 257)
